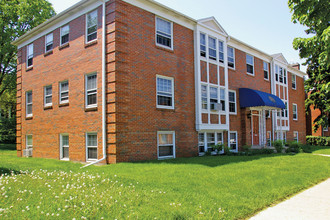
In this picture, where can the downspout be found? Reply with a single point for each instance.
(103, 89)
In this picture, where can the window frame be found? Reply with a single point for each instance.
(60, 92)
(28, 103)
(221, 51)
(202, 45)
(294, 111)
(217, 98)
(205, 98)
(266, 70)
(86, 91)
(158, 144)
(252, 65)
(294, 82)
(87, 146)
(62, 146)
(236, 141)
(222, 99)
(47, 96)
(29, 56)
(214, 58)
(86, 26)
(172, 92)
(61, 35)
(296, 139)
(269, 140)
(172, 35)
(232, 113)
(231, 57)
(51, 43)
(27, 146)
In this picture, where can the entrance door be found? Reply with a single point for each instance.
(255, 130)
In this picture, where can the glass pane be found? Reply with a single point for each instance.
(230, 52)
(65, 152)
(164, 85)
(249, 59)
(65, 30)
(91, 140)
(49, 38)
(210, 137)
(164, 100)
(92, 19)
(92, 37)
(265, 66)
(231, 96)
(65, 140)
(29, 140)
(91, 99)
(249, 68)
(48, 99)
(29, 109)
(165, 151)
(163, 26)
(203, 39)
(213, 93)
(165, 139)
(201, 138)
(64, 86)
(29, 97)
(48, 90)
(65, 39)
(204, 91)
(92, 153)
(91, 82)
(219, 137)
(166, 41)
(222, 94)
(30, 50)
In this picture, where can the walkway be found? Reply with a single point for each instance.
(313, 203)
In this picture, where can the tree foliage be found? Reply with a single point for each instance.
(315, 15)
(16, 18)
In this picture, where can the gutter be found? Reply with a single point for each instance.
(103, 90)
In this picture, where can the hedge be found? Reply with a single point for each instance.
(318, 141)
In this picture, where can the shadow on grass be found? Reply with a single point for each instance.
(8, 147)
(214, 161)
(316, 148)
(7, 171)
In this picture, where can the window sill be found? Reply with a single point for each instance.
(165, 48)
(249, 74)
(91, 43)
(231, 68)
(48, 53)
(165, 109)
(63, 104)
(166, 157)
(30, 117)
(48, 107)
(65, 159)
(29, 69)
(90, 109)
(266, 79)
(64, 46)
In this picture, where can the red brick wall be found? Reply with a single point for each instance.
(70, 63)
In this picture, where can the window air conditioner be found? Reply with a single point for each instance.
(27, 152)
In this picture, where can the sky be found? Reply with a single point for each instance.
(263, 24)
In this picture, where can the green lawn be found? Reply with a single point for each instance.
(223, 187)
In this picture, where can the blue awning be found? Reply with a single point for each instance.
(255, 98)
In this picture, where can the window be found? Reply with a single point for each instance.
(91, 146)
(212, 49)
(223, 99)
(267, 113)
(278, 135)
(165, 92)
(203, 45)
(64, 92)
(232, 101)
(166, 144)
(281, 75)
(269, 138)
(285, 111)
(91, 90)
(210, 141)
(295, 136)
(219, 138)
(201, 146)
(293, 81)
(249, 64)
(284, 78)
(164, 33)
(29, 55)
(233, 140)
(29, 143)
(49, 42)
(221, 53)
(29, 104)
(276, 73)
(48, 96)
(64, 146)
(266, 71)
(204, 97)
(65, 30)
(91, 26)
(213, 97)
(231, 57)
(295, 112)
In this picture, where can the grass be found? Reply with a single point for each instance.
(225, 187)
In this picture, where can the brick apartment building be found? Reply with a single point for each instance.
(130, 80)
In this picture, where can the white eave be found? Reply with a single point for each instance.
(212, 24)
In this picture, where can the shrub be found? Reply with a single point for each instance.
(318, 141)
(8, 130)
(246, 149)
(307, 148)
(294, 147)
(278, 144)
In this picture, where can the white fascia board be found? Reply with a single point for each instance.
(224, 33)
(297, 72)
(164, 12)
(57, 21)
(233, 42)
(206, 29)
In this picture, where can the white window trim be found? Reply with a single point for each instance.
(233, 68)
(174, 148)
(48, 43)
(26, 104)
(86, 91)
(172, 80)
(233, 132)
(232, 113)
(86, 27)
(29, 56)
(270, 138)
(201, 33)
(26, 141)
(266, 70)
(60, 93)
(46, 96)
(207, 101)
(172, 34)
(295, 119)
(61, 35)
(246, 63)
(295, 82)
(86, 149)
(209, 48)
(61, 147)
(223, 52)
(296, 132)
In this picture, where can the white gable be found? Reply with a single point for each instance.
(213, 24)
(279, 57)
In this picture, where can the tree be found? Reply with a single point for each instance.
(16, 18)
(315, 15)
